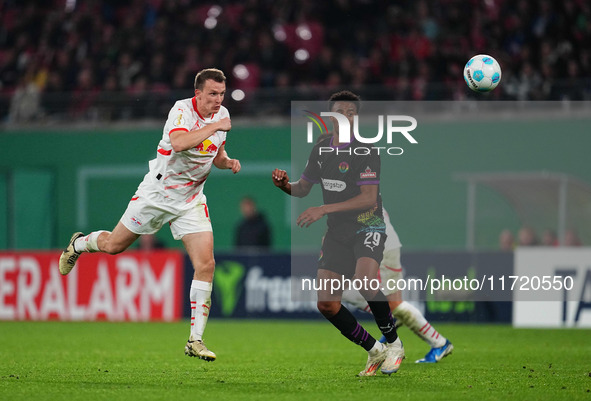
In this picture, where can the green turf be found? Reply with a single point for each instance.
(282, 360)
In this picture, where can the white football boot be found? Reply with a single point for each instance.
(394, 358)
(198, 349)
(69, 256)
(375, 360)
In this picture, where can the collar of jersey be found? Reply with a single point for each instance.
(197, 111)
(341, 146)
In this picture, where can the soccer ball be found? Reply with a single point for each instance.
(482, 73)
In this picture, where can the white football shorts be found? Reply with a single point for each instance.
(390, 270)
(148, 211)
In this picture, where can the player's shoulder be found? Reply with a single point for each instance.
(181, 106)
(322, 142)
(186, 104)
(324, 139)
(223, 113)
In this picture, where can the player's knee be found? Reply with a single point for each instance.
(328, 309)
(394, 306)
(206, 267)
(368, 294)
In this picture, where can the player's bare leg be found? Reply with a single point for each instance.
(329, 304)
(199, 246)
(97, 241)
(408, 315)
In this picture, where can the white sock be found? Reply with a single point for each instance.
(200, 297)
(88, 243)
(414, 320)
(377, 347)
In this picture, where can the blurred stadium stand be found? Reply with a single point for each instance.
(106, 60)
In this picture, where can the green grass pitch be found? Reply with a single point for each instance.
(283, 360)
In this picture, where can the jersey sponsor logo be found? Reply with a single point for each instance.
(344, 167)
(206, 147)
(368, 173)
(179, 120)
(136, 221)
(334, 185)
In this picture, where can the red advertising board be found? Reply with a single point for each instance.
(132, 286)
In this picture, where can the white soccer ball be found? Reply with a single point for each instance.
(482, 73)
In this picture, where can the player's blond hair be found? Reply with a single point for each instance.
(208, 73)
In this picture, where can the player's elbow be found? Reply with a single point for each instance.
(177, 147)
(219, 162)
(300, 188)
(299, 192)
(369, 202)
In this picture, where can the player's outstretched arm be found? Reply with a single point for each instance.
(299, 189)
(185, 140)
(223, 161)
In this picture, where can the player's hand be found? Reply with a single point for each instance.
(280, 178)
(234, 164)
(225, 124)
(309, 216)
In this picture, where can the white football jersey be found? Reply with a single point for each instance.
(392, 241)
(180, 176)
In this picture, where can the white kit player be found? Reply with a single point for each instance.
(193, 140)
(405, 313)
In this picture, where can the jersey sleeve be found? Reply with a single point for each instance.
(178, 119)
(367, 169)
(312, 170)
(223, 134)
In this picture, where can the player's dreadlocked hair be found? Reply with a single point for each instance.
(346, 96)
(208, 73)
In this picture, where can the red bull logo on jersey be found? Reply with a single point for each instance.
(206, 147)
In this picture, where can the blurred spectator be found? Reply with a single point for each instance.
(506, 240)
(549, 238)
(527, 237)
(571, 238)
(416, 47)
(84, 95)
(26, 101)
(253, 231)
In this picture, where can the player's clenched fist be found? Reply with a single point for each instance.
(234, 165)
(225, 124)
(280, 178)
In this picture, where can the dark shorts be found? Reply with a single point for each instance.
(343, 246)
